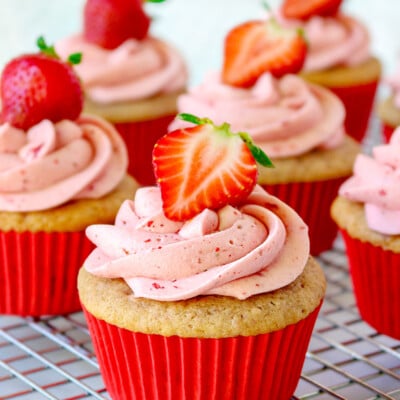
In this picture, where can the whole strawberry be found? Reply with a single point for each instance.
(205, 166)
(300, 9)
(40, 86)
(108, 23)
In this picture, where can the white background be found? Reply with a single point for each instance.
(196, 27)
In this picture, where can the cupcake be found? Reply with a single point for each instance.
(339, 57)
(204, 282)
(130, 78)
(60, 172)
(367, 211)
(389, 108)
(297, 123)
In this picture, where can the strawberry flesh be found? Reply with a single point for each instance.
(256, 47)
(202, 167)
(109, 23)
(304, 10)
(36, 87)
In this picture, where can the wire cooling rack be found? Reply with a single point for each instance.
(53, 358)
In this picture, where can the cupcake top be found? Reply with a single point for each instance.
(49, 153)
(122, 61)
(258, 92)
(202, 231)
(334, 39)
(376, 184)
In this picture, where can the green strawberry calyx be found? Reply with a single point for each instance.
(74, 58)
(256, 151)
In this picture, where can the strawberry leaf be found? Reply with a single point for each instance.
(193, 119)
(75, 58)
(45, 48)
(256, 151)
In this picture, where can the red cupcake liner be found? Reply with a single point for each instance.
(375, 275)
(153, 367)
(38, 272)
(312, 201)
(387, 132)
(140, 138)
(358, 101)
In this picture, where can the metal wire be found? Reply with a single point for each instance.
(52, 357)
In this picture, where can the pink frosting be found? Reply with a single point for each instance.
(256, 248)
(333, 41)
(394, 83)
(285, 117)
(51, 164)
(376, 183)
(134, 70)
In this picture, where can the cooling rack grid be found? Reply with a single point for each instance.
(53, 358)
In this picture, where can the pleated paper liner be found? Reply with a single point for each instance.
(358, 101)
(140, 138)
(38, 272)
(387, 131)
(375, 275)
(312, 201)
(153, 367)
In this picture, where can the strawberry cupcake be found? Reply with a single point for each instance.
(339, 56)
(367, 211)
(60, 172)
(389, 108)
(300, 125)
(204, 282)
(130, 78)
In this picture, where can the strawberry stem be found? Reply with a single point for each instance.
(45, 48)
(256, 151)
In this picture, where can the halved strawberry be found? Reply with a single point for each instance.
(255, 47)
(40, 86)
(204, 166)
(301, 9)
(108, 23)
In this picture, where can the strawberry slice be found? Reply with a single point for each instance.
(300, 9)
(204, 166)
(255, 47)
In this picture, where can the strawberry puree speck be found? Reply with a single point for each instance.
(285, 117)
(376, 183)
(235, 252)
(51, 164)
(135, 70)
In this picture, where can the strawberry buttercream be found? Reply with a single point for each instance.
(256, 248)
(53, 163)
(376, 183)
(135, 70)
(333, 41)
(285, 117)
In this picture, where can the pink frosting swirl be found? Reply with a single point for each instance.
(135, 70)
(51, 164)
(333, 41)
(376, 183)
(285, 117)
(256, 248)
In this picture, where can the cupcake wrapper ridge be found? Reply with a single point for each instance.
(154, 367)
(312, 201)
(375, 275)
(358, 101)
(140, 138)
(39, 271)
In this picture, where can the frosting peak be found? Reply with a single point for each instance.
(285, 116)
(53, 163)
(134, 70)
(239, 252)
(376, 183)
